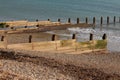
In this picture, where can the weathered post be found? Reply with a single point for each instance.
(59, 20)
(37, 25)
(30, 38)
(114, 20)
(74, 36)
(7, 26)
(54, 37)
(101, 23)
(12, 27)
(78, 20)
(101, 20)
(104, 37)
(108, 20)
(48, 19)
(86, 20)
(6, 40)
(119, 19)
(94, 20)
(91, 36)
(37, 20)
(69, 20)
(25, 26)
(2, 38)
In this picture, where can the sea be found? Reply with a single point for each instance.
(54, 9)
(64, 9)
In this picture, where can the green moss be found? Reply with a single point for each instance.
(85, 43)
(2, 25)
(66, 43)
(98, 44)
(101, 44)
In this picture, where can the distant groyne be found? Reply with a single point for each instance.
(23, 26)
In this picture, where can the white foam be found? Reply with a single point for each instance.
(113, 37)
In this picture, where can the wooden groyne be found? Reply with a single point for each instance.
(56, 44)
(42, 26)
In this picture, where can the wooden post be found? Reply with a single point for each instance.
(69, 20)
(25, 26)
(7, 26)
(78, 20)
(91, 36)
(74, 36)
(94, 20)
(114, 20)
(30, 38)
(59, 20)
(119, 19)
(37, 25)
(108, 20)
(48, 19)
(104, 37)
(12, 27)
(37, 20)
(54, 37)
(86, 20)
(2, 38)
(6, 41)
(101, 27)
(101, 21)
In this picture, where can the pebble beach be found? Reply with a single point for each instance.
(28, 65)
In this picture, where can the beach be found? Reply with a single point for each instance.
(59, 40)
(37, 65)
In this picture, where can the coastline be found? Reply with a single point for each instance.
(91, 65)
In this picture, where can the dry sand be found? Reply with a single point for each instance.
(52, 66)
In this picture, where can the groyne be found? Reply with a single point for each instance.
(54, 44)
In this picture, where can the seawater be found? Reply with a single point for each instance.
(54, 9)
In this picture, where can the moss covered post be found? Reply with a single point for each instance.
(3, 25)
